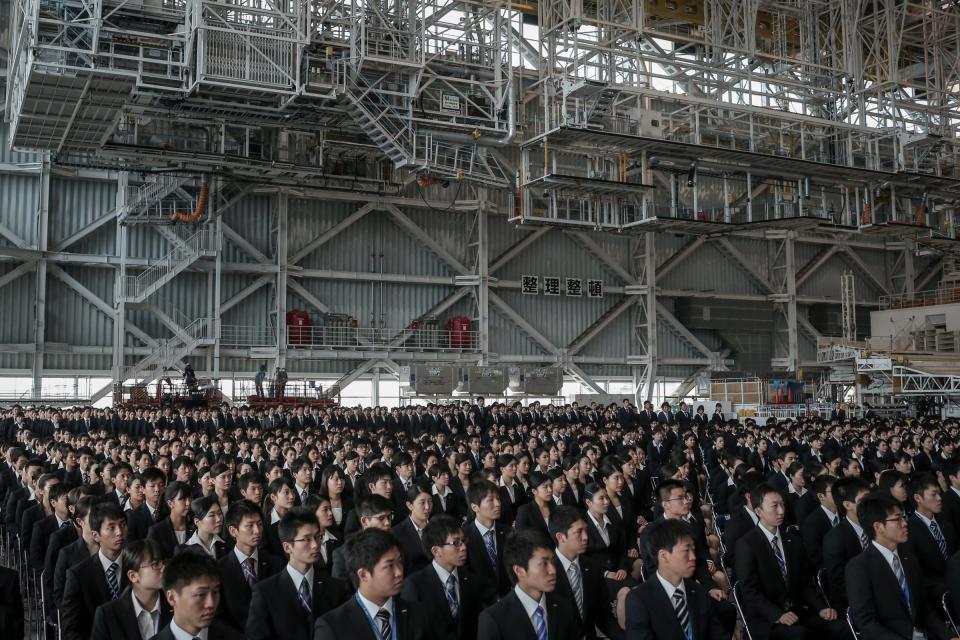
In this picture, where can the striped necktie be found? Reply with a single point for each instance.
(112, 582)
(540, 624)
(938, 536)
(683, 615)
(304, 594)
(901, 579)
(383, 621)
(779, 554)
(451, 591)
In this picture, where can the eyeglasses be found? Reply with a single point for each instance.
(684, 498)
(383, 517)
(459, 544)
(898, 518)
(156, 565)
(318, 538)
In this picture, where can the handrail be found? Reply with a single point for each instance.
(929, 298)
(187, 250)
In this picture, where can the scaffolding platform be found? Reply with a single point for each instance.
(591, 186)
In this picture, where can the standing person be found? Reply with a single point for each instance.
(885, 585)
(485, 539)
(140, 611)
(531, 611)
(258, 380)
(376, 612)
(671, 588)
(450, 597)
(286, 604)
(191, 585)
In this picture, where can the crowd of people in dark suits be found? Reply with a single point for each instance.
(476, 521)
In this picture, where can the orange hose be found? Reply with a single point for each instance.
(865, 219)
(201, 206)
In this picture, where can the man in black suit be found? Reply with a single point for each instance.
(485, 540)
(11, 605)
(73, 549)
(532, 610)
(58, 518)
(96, 580)
(819, 522)
(671, 588)
(951, 497)
(582, 586)
(286, 605)
(884, 583)
(780, 601)
(449, 596)
(140, 611)
(153, 509)
(742, 518)
(932, 539)
(375, 566)
(191, 585)
(245, 565)
(845, 541)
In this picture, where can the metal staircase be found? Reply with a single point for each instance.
(201, 244)
(201, 332)
(602, 106)
(145, 202)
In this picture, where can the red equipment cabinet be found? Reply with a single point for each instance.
(460, 334)
(299, 326)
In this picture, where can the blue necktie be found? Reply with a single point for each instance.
(901, 579)
(304, 593)
(779, 554)
(451, 591)
(488, 542)
(683, 614)
(112, 582)
(938, 536)
(540, 624)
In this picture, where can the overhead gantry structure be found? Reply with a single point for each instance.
(789, 122)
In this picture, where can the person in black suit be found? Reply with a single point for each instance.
(152, 510)
(780, 601)
(445, 500)
(818, 523)
(286, 604)
(951, 497)
(449, 596)
(932, 539)
(532, 609)
(208, 518)
(59, 500)
(531, 515)
(657, 452)
(485, 539)
(142, 563)
(409, 531)
(671, 588)
(512, 495)
(191, 585)
(845, 541)
(887, 603)
(174, 530)
(11, 604)
(375, 566)
(73, 553)
(245, 565)
(96, 580)
(581, 585)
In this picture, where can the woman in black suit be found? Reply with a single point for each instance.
(208, 517)
(621, 512)
(175, 529)
(606, 544)
(333, 482)
(571, 470)
(536, 514)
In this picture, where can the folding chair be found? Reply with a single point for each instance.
(737, 599)
(948, 612)
(821, 579)
(853, 627)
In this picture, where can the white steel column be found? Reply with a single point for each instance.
(283, 202)
(217, 283)
(119, 331)
(40, 308)
(483, 272)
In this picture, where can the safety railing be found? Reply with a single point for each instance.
(184, 253)
(944, 295)
(169, 351)
(232, 335)
(364, 338)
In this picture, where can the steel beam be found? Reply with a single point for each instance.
(86, 230)
(245, 245)
(602, 256)
(525, 326)
(311, 299)
(333, 232)
(429, 242)
(244, 293)
(857, 262)
(517, 248)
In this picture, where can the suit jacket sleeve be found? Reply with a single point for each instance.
(487, 627)
(863, 609)
(101, 628)
(12, 603)
(322, 630)
(639, 623)
(258, 618)
(73, 612)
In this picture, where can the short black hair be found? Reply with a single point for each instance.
(822, 484)
(847, 490)
(436, 532)
(364, 549)
(187, 567)
(152, 474)
(201, 506)
(293, 520)
(519, 548)
(562, 518)
(372, 505)
(104, 510)
(176, 490)
(874, 509)
(57, 491)
(377, 472)
(664, 535)
(758, 493)
(479, 490)
(667, 486)
(922, 482)
(240, 510)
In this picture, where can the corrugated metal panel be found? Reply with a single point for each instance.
(71, 319)
(709, 270)
(506, 337)
(560, 319)
(254, 218)
(389, 305)
(616, 340)
(18, 210)
(561, 257)
(76, 203)
(17, 317)
(8, 155)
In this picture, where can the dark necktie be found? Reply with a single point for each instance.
(938, 536)
(383, 621)
(112, 582)
(683, 614)
(249, 571)
(779, 554)
(304, 594)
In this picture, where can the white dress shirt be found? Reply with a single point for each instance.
(443, 574)
(147, 621)
(211, 550)
(604, 532)
(530, 606)
(669, 589)
(298, 577)
(180, 634)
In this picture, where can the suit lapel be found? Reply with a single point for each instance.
(887, 571)
(553, 617)
(360, 624)
(128, 617)
(519, 614)
(692, 591)
(439, 591)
